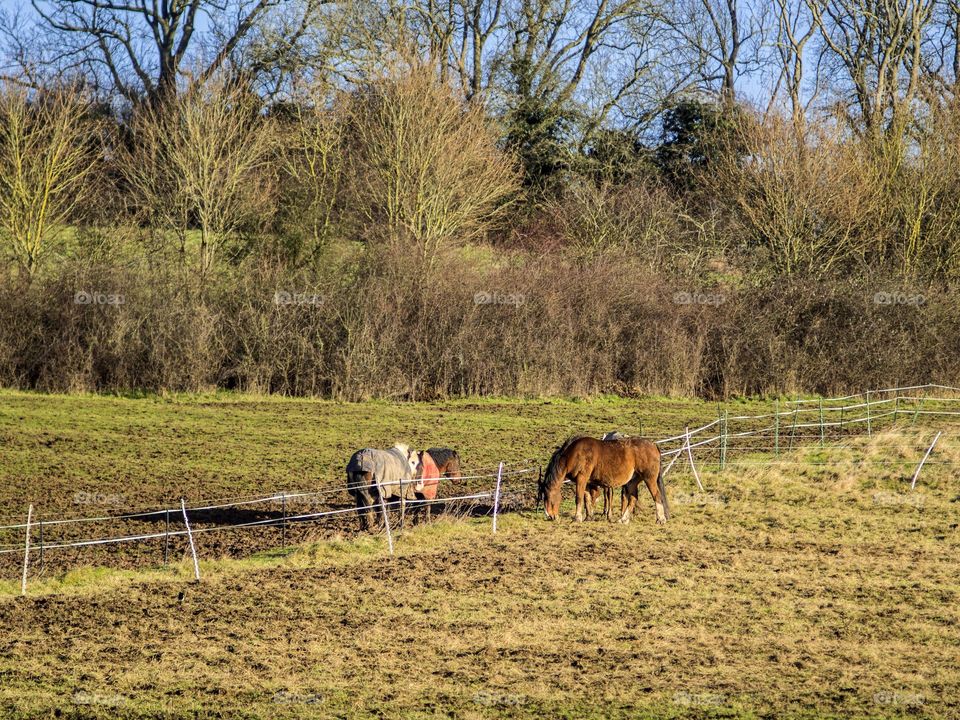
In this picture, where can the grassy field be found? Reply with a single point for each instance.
(812, 585)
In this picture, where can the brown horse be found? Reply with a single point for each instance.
(593, 494)
(597, 464)
(607, 491)
(447, 460)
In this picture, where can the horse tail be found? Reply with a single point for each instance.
(661, 487)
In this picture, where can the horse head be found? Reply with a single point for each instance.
(549, 489)
(412, 457)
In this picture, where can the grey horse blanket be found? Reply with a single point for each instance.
(389, 468)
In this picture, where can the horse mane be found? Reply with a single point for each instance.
(551, 466)
(441, 456)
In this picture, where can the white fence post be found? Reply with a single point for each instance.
(386, 522)
(26, 552)
(913, 483)
(821, 422)
(496, 497)
(690, 458)
(193, 548)
(776, 427)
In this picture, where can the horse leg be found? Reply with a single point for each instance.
(608, 503)
(427, 508)
(581, 489)
(591, 499)
(359, 488)
(630, 500)
(364, 501)
(651, 482)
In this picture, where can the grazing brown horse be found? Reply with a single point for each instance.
(607, 491)
(596, 464)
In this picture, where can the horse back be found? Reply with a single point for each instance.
(612, 463)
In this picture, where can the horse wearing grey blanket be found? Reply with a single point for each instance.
(373, 474)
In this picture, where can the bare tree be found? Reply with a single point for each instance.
(198, 163)
(48, 148)
(140, 48)
(312, 156)
(795, 29)
(426, 169)
(723, 39)
(810, 207)
(459, 36)
(878, 47)
(555, 43)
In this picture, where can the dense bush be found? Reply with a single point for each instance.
(533, 325)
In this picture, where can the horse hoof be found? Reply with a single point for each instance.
(661, 521)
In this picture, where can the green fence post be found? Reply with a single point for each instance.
(917, 411)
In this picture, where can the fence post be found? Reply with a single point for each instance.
(793, 428)
(40, 522)
(386, 522)
(821, 422)
(869, 426)
(496, 497)
(166, 537)
(26, 552)
(913, 483)
(283, 525)
(896, 405)
(776, 427)
(693, 467)
(723, 440)
(193, 548)
(916, 412)
(539, 485)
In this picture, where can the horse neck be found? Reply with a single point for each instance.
(553, 477)
(398, 452)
